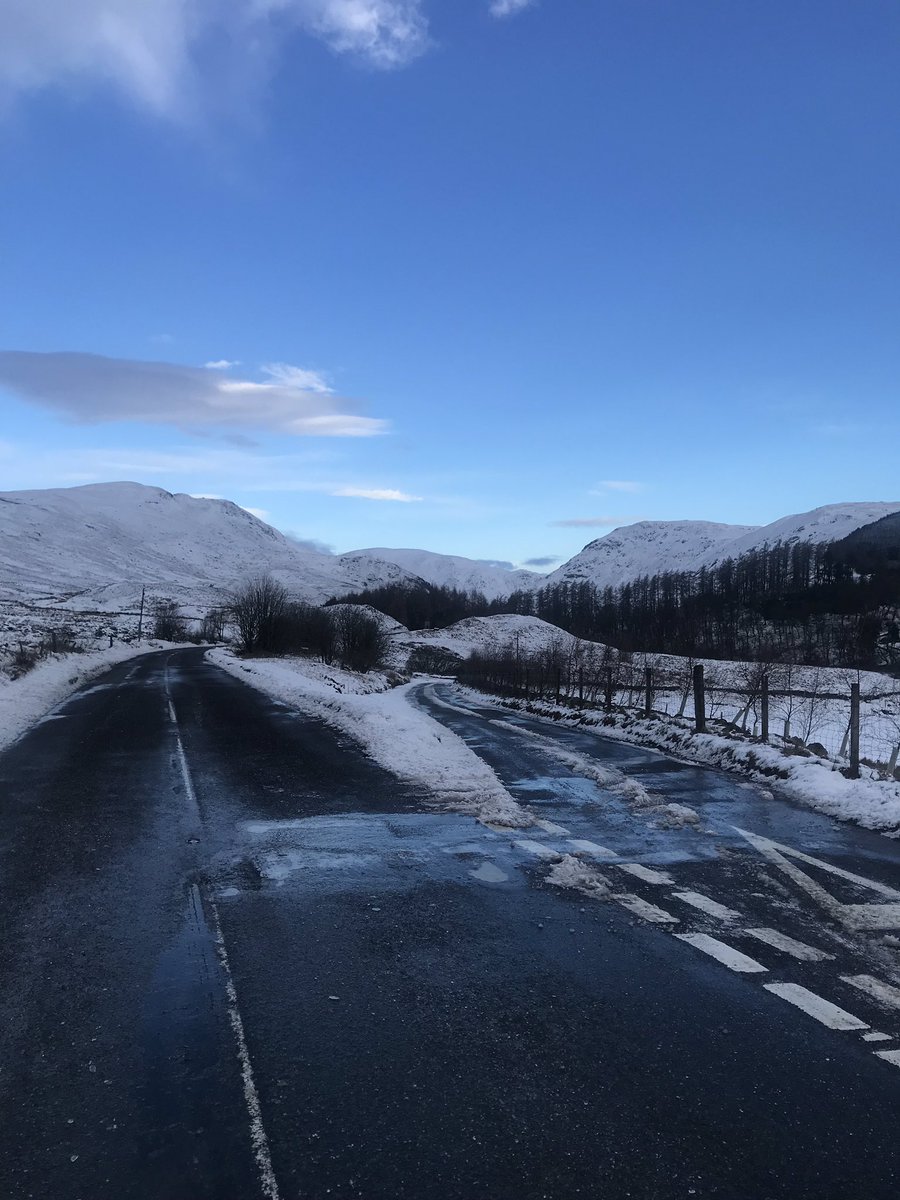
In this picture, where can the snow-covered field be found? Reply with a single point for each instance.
(381, 720)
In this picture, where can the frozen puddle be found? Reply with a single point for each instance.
(488, 873)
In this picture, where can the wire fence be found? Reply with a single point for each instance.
(852, 718)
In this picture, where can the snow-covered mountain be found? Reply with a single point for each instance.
(651, 547)
(829, 523)
(466, 574)
(646, 548)
(95, 546)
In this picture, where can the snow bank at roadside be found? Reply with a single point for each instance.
(26, 700)
(869, 802)
(402, 739)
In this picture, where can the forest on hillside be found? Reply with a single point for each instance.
(826, 604)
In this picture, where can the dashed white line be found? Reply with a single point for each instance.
(726, 955)
(591, 848)
(815, 1006)
(549, 827)
(711, 907)
(781, 941)
(537, 849)
(642, 908)
(646, 873)
(874, 1036)
(883, 992)
(891, 1056)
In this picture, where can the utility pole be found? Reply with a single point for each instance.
(854, 731)
(141, 614)
(699, 699)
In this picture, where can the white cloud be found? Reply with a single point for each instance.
(222, 364)
(376, 494)
(509, 8)
(90, 389)
(597, 522)
(617, 485)
(261, 513)
(158, 51)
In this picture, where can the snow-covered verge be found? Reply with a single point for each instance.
(25, 700)
(399, 737)
(814, 782)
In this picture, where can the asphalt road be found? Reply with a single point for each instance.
(239, 960)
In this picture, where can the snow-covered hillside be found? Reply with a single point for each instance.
(651, 547)
(95, 546)
(829, 523)
(647, 548)
(488, 635)
(466, 574)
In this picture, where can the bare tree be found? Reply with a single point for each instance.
(257, 608)
(168, 623)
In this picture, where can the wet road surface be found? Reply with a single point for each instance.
(240, 960)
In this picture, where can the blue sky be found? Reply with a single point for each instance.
(491, 281)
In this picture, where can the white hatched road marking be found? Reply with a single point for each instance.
(727, 955)
(711, 907)
(891, 1056)
(646, 873)
(853, 916)
(815, 1006)
(884, 993)
(781, 941)
(591, 848)
(877, 1037)
(642, 908)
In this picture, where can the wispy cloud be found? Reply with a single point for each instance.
(90, 388)
(160, 52)
(616, 485)
(222, 364)
(597, 522)
(509, 8)
(545, 560)
(389, 494)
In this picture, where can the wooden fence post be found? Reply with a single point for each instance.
(699, 699)
(648, 691)
(764, 707)
(854, 731)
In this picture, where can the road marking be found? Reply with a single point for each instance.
(549, 827)
(891, 1056)
(726, 955)
(815, 1006)
(646, 873)
(172, 717)
(877, 1037)
(707, 905)
(781, 941)
(854, 916)
(591, 848)
(537, 849)
(258, 1136)
(642, 908)
(884, 993)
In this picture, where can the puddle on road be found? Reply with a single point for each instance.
(488, 873)
(358, 851)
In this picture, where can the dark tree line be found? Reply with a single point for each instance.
(822, 604)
